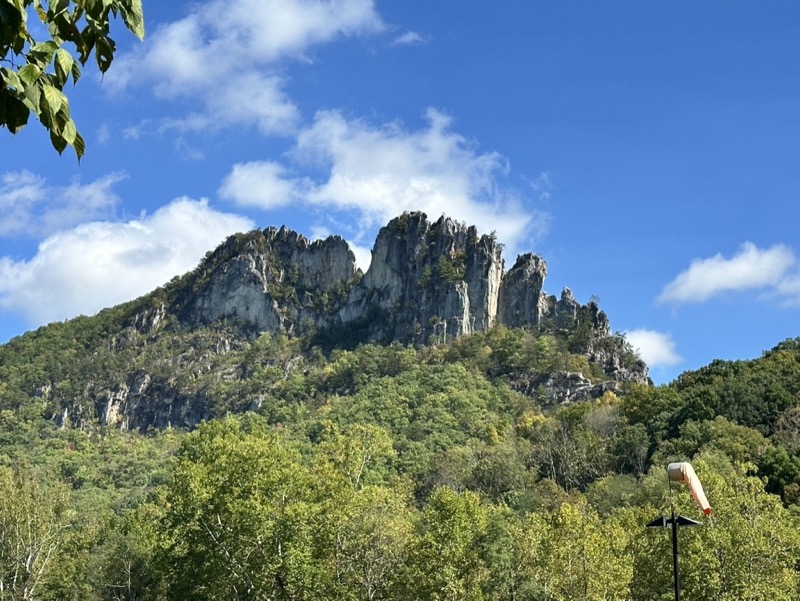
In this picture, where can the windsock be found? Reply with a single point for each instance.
(685, 472)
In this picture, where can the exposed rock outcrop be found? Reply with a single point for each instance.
(521, 299)
(563, 387)
(142, 403)
(273, 280)
(426, 282)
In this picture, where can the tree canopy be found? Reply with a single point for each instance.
(34, 72)
(383, 472)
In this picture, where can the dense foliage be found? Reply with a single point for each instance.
(386, 472)
(37, 71)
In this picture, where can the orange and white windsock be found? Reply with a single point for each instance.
(684, 472)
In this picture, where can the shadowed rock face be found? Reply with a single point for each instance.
(521, 300)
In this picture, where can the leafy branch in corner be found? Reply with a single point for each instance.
(38, 71)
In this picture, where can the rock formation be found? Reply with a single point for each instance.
(427, 282)
(273, 280)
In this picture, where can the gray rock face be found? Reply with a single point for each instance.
(240, 290)
(521, 299)
(426, 282)
(562, 387)
(270, 282)
(143, 403)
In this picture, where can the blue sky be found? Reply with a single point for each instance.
(648, 151)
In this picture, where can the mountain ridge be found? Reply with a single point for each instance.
(162, 360)
(427, 281)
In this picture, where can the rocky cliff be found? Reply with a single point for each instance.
(427, 282)
(166, 357)
(273, 280)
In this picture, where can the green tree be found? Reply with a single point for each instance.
(446, 563)
(372, 541)
(242, 516)
(38, 70)
(123, 567)
(572, 554)
(361, 455)
(34, 522)
(746, 551)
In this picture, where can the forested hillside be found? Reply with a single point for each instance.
(391, 472)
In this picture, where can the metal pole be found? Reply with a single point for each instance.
(674, 521)
(675, 557)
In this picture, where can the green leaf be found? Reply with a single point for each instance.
(134, 17)
(88, 37)
(69, 132)
(32, 98)
(104, 53)
(79, 145)
(48, 47)
(52, 101)
(57, 141)
(28, 83)
(11, 79)
(42, 53)
(12, 21)
(76, 72)
(59, 6)
(64, 64)
(29, 74)
(18, 4)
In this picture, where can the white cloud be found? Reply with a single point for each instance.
(376, 173)
(226, 56)
(264, 105)
(31, 207)
(101, 264)
(103, 135)
(750, 268)
(409, 38)
(261, 184)
(542, 186)
(363, 255)
(654, 348)
(789, 288)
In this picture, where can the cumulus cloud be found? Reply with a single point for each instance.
(377, 172)
(657, 349)
(100, 264)
(31, 207)
(751, 268)
(225, 47)
(260, 184)
(409, 38)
